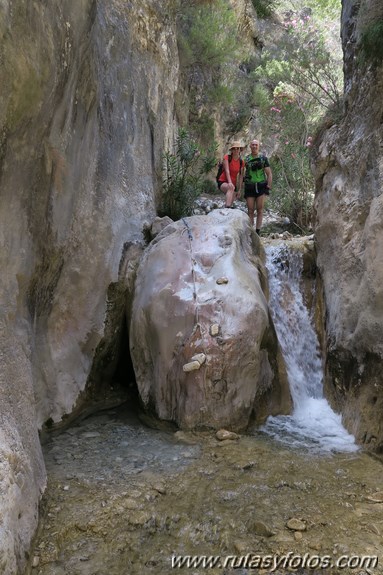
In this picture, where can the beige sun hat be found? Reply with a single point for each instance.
(237, 144)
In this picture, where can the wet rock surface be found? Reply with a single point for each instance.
(123, 498)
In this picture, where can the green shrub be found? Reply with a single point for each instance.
(202, 127)
(293, 186)
(264, 8)
(209, 45)
(184, 174)
(207, 34)
(372, 44)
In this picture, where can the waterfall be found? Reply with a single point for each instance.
(312, 423)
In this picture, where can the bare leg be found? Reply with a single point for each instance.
(250, 209)
(229, 191)
(259, 202)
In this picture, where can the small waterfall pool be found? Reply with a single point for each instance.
(313, 424)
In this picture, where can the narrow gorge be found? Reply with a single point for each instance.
(93, 94)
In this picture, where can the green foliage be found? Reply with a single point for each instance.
(261, 97)
(183, 175)
(264, 8)
(246, 95)
(372, 44)
(324, 12)
(294, 181)
(203, 126)
(298, 85)
(304, 63)
(218, 93)
(209, 48)
(207, 34)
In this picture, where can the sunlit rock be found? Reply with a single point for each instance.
(178, 299)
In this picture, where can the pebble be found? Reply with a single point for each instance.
(296, 524)
(241, 547)
(262, 529)
(374, 528)
(376, 497)
(185, 438)
(191, 366)
(160, 488)
(214, 329)
(222, 280)
(139, 518)
(224, 434)
(200, 357)
(131, 504)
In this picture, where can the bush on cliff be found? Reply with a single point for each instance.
(184, 172)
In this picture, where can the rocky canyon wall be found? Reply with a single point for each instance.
(86, 109)
(349, 233)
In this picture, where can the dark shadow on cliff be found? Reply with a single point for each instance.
(111, 380)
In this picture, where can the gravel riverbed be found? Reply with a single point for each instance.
(124, 498)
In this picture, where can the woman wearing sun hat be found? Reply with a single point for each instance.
(231, 179)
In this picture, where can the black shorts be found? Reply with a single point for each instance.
(256, 190)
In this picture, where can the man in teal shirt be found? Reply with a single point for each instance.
(258, 181)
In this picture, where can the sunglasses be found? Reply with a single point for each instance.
(235, 148)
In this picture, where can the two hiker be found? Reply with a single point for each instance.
(255, 171)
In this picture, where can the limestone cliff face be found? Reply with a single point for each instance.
(349, 234)
(86, 109)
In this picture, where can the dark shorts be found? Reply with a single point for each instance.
(256, 190)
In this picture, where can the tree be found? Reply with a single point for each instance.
(302, 77)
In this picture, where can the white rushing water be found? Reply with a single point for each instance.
(313, 424)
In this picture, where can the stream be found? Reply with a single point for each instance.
(296, 495)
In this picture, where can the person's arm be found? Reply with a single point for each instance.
(240, 179)
(227, 169)
(269, 176)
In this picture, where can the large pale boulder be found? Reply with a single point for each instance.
(202, 343)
